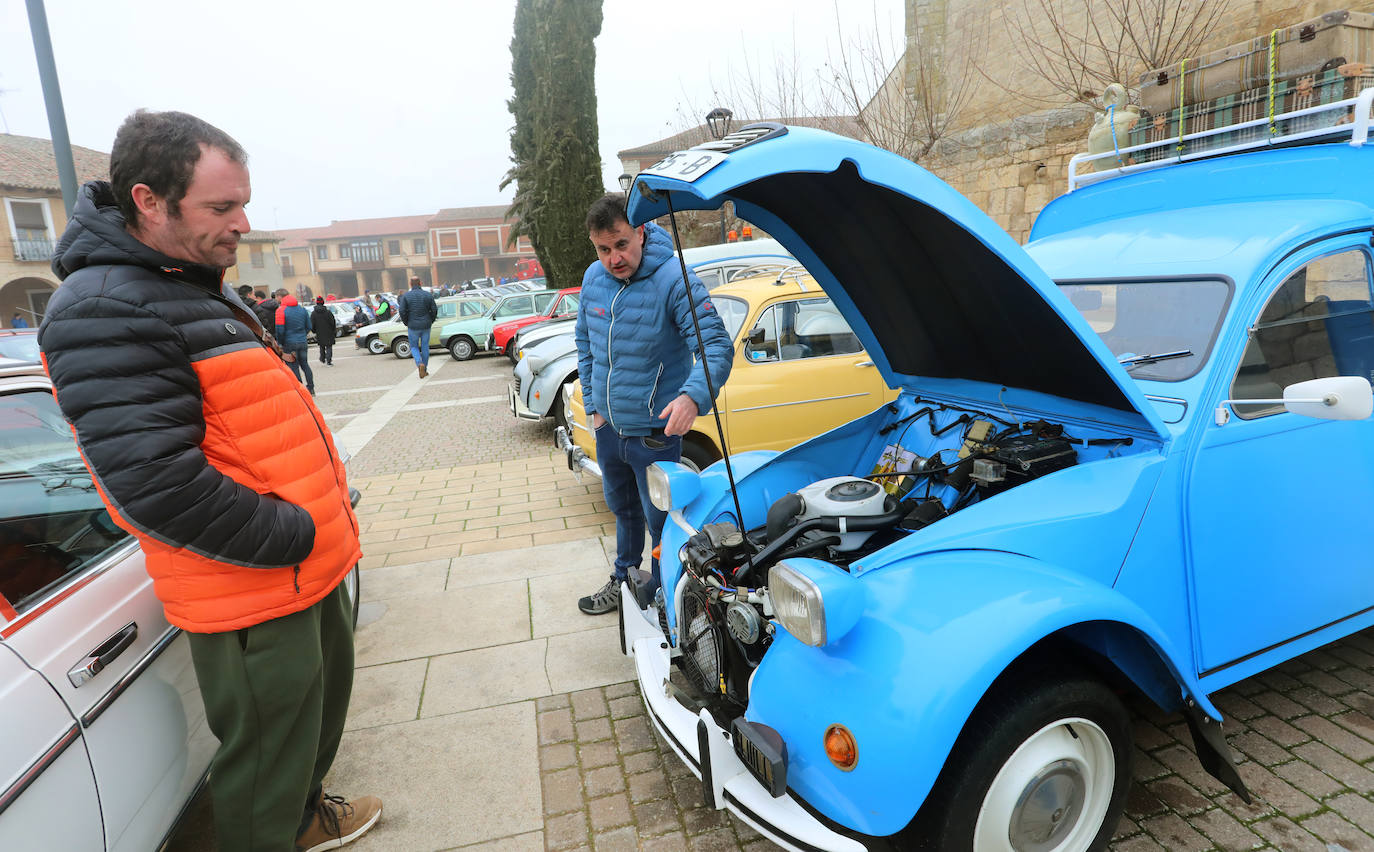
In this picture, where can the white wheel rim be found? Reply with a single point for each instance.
(1052, 794)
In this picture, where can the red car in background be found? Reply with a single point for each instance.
(563, 306)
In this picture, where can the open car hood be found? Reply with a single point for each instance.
(940, 296)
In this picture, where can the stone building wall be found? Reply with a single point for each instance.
(1008, 151)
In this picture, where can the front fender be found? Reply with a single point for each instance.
(555, 374)
(935, 633)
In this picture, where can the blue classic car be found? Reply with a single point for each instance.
(1133, 455)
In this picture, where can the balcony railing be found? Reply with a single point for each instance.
(40, 250)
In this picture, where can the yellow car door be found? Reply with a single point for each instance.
(799, 371)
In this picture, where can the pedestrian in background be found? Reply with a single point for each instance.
(266, 309)
(293, 333)
(326, 327)
(635, 313)
(18, 321)
(203, 449)
(418, 311)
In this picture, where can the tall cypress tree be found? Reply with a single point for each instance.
(554, 144)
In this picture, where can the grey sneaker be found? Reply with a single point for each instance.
(603, 600)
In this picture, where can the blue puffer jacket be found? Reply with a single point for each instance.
(418, 309)
(295, 330)
(635, 341)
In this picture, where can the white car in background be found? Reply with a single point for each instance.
(104, 740)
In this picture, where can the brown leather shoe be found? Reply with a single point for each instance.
(423, 372)
(337, 822)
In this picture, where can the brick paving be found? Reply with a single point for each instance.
(467, 479)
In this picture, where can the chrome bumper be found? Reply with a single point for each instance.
(518, 407)
(577, 460)
(782, 820)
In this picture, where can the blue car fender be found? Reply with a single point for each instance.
(934, 635)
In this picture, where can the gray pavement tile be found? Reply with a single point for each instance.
(400, 581)
(439, 778)
(588, 658)
(416, 627)
(538, 561)
(553, 601)
(486, 677)
(386, 694)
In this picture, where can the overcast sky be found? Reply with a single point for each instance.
(394, 108)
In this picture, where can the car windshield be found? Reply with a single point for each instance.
(21, 347)
(1159, 330)
(52, 521)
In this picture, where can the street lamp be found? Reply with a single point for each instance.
(718, 122)
(625, 181)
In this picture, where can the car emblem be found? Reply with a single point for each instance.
(229, 327)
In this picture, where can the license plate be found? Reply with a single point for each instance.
(686, 165)
(762, 750)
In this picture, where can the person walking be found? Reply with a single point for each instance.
(326, 327)
(266, 310)
(418, 311)
(293, 333)
(203, 447)
(635, 313)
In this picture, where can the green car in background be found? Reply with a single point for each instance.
(391, 335)
(466, 337)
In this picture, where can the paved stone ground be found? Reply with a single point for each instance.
(464, 507)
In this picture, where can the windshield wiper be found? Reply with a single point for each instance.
(1137, 360)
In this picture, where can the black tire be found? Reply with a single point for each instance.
(462, 348)
(375, 346)
(697, 454)
(400, 347)
(557, 410)
(510, 350)
(1080, 768)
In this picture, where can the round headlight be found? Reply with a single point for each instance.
(659, 492)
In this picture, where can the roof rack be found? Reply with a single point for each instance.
(1186, 148)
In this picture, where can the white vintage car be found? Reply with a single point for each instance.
(104, 740)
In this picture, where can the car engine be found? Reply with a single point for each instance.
(725, 611)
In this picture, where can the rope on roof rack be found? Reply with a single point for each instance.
(1182, 91)
(1273, 51)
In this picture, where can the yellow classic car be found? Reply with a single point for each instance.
(799, 371)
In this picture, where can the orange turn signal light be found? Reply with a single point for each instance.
(841, 748)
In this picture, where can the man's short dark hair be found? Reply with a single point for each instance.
(244, 290)
(607, 212)
(161, 149)
(282, 292)
(259, 295)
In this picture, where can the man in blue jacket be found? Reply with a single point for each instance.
(642, 384)
(418, 311)
(293, 333)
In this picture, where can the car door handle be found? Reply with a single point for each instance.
(864, 364)
(103, 655)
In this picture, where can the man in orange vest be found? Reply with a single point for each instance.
(207, 449)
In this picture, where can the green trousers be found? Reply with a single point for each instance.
(276, 694)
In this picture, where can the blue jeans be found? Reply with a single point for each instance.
(419, 345)
(623, 461)
(302, 362)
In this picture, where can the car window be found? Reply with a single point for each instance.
(1318, 323)
(52, 522)
(802, 328)
(710, 278)
(447, 309)
(1153, 317)
(732, 312)
(543, 300)
(516, 306)
(472, 309)
(21, 347)
(568, 306)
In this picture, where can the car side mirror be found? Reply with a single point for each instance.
(1331, 398)
(756, 336)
